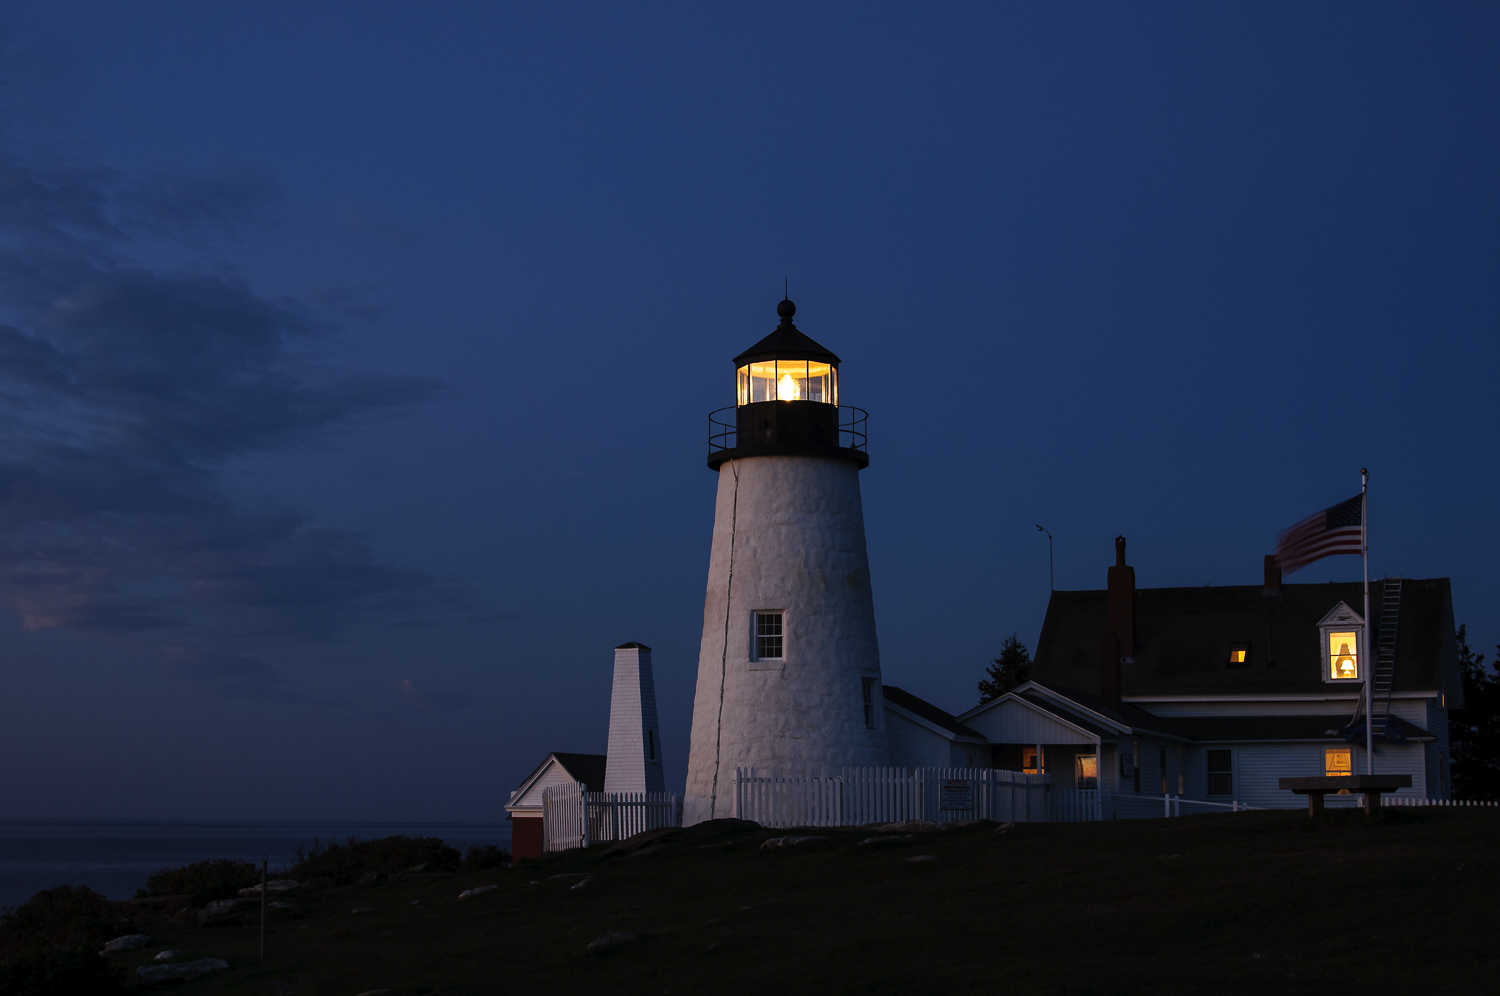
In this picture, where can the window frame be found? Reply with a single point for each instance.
(1038, 759)
(773, 663)
(868, 686)
(1329, 752)
(1210, 773)
(1079, 778)
(1241, 648)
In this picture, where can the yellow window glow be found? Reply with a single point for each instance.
(1029, 761)
(1238, 654)
(1343, 656)
(1338, 761)
(786, 380)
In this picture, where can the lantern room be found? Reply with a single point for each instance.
(787, 401)
(788, 380)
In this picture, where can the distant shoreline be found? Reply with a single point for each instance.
(114, 857)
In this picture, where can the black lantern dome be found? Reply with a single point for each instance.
(787, 394)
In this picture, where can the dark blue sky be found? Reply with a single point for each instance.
(356, 358)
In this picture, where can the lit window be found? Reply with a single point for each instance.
(1338, 761)
(1220, 772)
(768, 636)
(1239, 655)
(1029, 760)
(788, 380)
(1087, 771)
(1343, 656)
(869, 693)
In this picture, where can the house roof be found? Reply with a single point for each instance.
(926, 710)
(1135, 718)
(1183, 637)
(585, 768)
(1235, 729)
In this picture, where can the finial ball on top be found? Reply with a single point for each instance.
(786, 309)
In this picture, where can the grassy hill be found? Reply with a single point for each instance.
(1254, 903)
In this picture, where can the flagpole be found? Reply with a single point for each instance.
(1364, 543)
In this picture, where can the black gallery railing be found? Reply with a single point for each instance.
(723, 432)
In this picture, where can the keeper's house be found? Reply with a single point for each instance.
(1213, 694)
(525, 805)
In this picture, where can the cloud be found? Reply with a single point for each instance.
(237, 677)
(125, 385)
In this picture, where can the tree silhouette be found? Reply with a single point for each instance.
(1010, 669)
(1474, 730)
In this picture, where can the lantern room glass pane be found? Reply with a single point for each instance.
(786, 380)
(1343, 656)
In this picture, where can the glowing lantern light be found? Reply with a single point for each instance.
(786, 389)
(1343, 662)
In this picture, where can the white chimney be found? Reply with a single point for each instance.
(634, 760)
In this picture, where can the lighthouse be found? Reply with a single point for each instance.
(789, 666)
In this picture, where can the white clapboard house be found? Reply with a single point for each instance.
(1212, 694)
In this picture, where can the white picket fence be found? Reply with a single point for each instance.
(572, 817)
(1396, 800)
(1075, 805)
(860, 796)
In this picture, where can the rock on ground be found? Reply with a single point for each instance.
(275, 885)
(611, 941)
(149, 974)
(777, 842)
(127, 943)
(167, 955)
(221, 911)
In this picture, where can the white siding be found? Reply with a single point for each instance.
(633, 763)
(963, 755)
(914, 745)
(554, 775)
(1259, 767)
(1437, 751)
(1016, 722)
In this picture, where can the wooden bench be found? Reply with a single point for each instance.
(1317, 786)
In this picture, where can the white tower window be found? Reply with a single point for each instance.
(768, 636)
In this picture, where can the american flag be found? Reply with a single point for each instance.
(1337, 529)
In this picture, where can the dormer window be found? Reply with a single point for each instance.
(1343, 656)
(1239, 655)
(1342, 636)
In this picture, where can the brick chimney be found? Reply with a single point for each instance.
(1109, 670)
(1273, 575)
(1122, 601)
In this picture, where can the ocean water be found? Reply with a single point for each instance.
(115, 858)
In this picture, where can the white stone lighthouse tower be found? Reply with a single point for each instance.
(789, 668)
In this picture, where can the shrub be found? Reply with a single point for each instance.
(481, 857)
(354, 859)
(47, 944)
(205, 881)
(66, 917)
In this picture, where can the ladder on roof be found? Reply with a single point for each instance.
(1385, 655)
